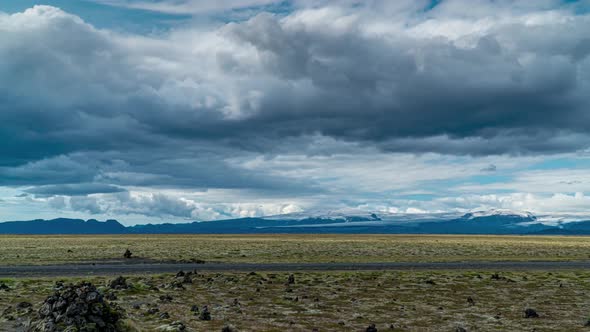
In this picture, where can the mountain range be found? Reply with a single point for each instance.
(341, 221)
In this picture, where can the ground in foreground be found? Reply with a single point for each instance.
(333, 301)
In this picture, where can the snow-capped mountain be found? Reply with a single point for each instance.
(500, 213)
(339, 215)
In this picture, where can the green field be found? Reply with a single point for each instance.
(291, 248)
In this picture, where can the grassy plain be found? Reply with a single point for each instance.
(16, 250)
(340, 301)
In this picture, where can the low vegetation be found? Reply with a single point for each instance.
(330, 301)
(290, 248)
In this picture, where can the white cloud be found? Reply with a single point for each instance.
(183, 7)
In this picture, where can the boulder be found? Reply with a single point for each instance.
(119, 283)
(173, 327)
(530, 313)
(205, 314)
(127, 254)
(371, 328)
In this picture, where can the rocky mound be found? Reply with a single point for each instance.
(79, 307)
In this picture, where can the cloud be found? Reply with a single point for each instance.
(297, 104)
(164, 206)
(78, 189)
(183, 7)
(516, 86)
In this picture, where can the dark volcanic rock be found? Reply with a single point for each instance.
(205, 314)
(166, 298)
(371, 328)
(4, 287)
(291, 279)
(127, 253)
(79, 307)
(530, 313)
(119, 283)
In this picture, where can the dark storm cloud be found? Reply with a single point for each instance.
(78, 189)
(79, 105)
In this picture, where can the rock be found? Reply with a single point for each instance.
(166, 298)
(119, 283)
(175, 284)
(164, 315)
(180, 274)
(228, 329)
(111, 296)
(173, 327)
(58, 285)
(187, 279)
(127, 254)
(195, 308)
(471, 301)
(291, 279)
(371, 328)
(4, 287)
(460, 329)
(23, 305)
(79, 307)
(530, 313)
(587, 323)
(152, 311)
(205, 314)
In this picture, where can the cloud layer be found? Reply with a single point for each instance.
(122, 117)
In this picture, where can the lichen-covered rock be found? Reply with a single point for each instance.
(119, 283)
(173, 327)
(79, 307)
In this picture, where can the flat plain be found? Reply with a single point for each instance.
(26, 250)
(453, 300)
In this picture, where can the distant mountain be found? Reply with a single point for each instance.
(62, 226)
(339, 221)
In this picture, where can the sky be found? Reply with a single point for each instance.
(182, 110)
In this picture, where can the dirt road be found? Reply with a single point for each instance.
(150, 268)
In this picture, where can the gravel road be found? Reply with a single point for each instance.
(148, 268)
